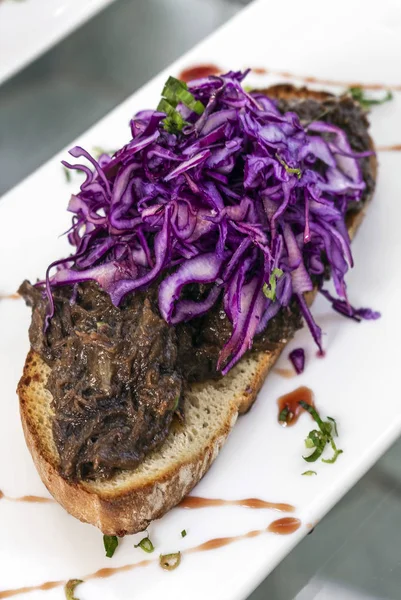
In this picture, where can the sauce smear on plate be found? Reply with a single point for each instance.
(289, 408)
(284, 526)
(198, 72)
(197, 502)
(286, 373)
(34, 499)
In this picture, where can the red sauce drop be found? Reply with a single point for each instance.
(284, 526)
(199, 71)
(290, 404)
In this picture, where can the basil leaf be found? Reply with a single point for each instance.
(314, 456)
(67, 174)
(176, 92)
(366, 102)
(270, 290)
(334, 426)
(336, 454)
(110, 544)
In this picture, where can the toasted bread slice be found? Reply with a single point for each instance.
(128, 501)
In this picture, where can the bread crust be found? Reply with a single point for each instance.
(122, 511)
(129, 510)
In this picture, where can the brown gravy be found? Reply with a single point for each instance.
(197, 502)
(199, 71)
(283, 526)
(290, 402)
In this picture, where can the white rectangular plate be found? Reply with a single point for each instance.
(30, 27)
(357, 382)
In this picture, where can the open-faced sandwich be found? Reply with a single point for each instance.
(198, 249)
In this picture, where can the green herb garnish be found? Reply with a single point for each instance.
(285, 416)
(176, 92)
(270, 290)
(97, 151)
(309, 473)
(173, 122)
(319, 438)
(336, 454)
(146, 545)
(169, 562)
(67, 174)
(110, 544)
(289, 169)
(69, 588)
(183, 533)
(334, 425)
(176, 403)
(359, 95)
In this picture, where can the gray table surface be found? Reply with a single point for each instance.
(355, 552)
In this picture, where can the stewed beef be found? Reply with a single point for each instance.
(114, 377)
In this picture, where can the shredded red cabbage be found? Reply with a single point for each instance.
(344, 308)
(297, 358)
(235, 201)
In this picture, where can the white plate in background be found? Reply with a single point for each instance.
(30, 27)
(357, 382)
